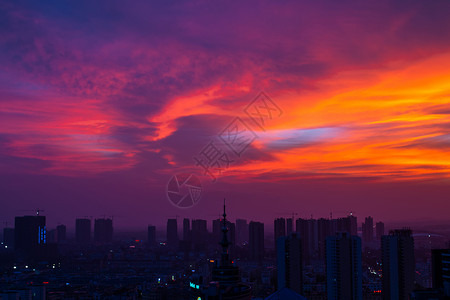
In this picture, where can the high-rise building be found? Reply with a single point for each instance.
(367, 231)
(379, 229)
(325, 227)
(61, 233)
(83, 231)
(344, 267)
(52, 236)
(30, 234)
(256, 241)
(151, 235)
(186, 229)
(8, 237)
(309, 233)
(103, 230)
(289, 262)
(289, 226)
(353, 224)
(199, 234)
(231, 235)
(216, 232)
(279, 229)
(172, 233)
(398, 264)
(241, 232)
(344, 225)
(441, 270)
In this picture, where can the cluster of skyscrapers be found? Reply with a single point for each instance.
(337, 241)
(31, 238)
(297, 243)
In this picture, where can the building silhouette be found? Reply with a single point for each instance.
(279, 229)
(367, 231)
(30, 235)
(289, 262)
(83, 231)
(216, 234)
(289, 226)
(398, 264)
(8, 237)
(313, 233)
(353, 224)
(379, 229)
(241, 232)
(186, 229)
(307, 229)
(172, 233)
(52, 236)
(199, 234)
(346, 224)
(441, 270)
(151, 235)
(61, 233)
(323, 228)
(256, 241)
(343, 267)
(103, 230)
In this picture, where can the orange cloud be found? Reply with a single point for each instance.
(387, 127)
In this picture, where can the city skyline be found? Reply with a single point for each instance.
(183, 226)
(434, 227)
(102, 104)
(319, 258)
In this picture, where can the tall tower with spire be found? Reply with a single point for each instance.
(226, 281)
(225, 261)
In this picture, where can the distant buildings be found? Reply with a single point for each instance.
(367, 231)
(8, 237)
(241, 232)
(289, 226)
(306, 229)
(103, 230)
(83, 231)
(379, 229)
(289, 262)
(344, 267)
(151, 235)
(256, 241)
(398, 264)
(313, 233)
(353, 224)
(172, 233)
(61, 233)
(279, 229)
(199, 234)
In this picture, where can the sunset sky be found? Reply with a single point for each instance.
(101, 103)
